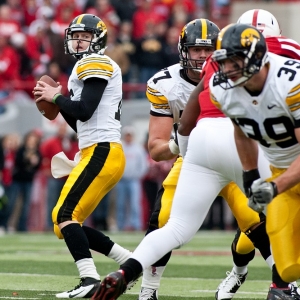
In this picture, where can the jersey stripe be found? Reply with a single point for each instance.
(158, 100)
(214, 101)
(293, 98)
(95, 66)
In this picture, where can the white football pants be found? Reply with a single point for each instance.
(211, 162)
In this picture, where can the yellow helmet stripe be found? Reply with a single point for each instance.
(220, 37)
(80, 19)
(204, 29)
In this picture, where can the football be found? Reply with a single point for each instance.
(48, 109)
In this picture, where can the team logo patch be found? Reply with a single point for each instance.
(102, 26)
(248, 36)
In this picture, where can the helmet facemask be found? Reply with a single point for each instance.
(189, 63)
(197, 33)
(97, 43)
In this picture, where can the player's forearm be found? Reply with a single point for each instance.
(247, 150)
(289, 178)
(160, 151)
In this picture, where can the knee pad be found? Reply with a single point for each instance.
(243, 244)
(260, 239)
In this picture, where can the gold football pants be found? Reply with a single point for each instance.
(100, 168)
(283, 228)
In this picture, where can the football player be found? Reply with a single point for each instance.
(93, 111)
(168, 92)
(241, 246)
(259, 91)
(197, 203)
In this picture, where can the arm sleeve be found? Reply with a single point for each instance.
(90, 98)
(70, 120)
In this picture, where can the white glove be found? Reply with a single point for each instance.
(254, 205)
(173, 147)
(262, 193)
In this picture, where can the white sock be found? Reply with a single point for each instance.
(240, 270)
(152, 277)
(119, 254)
(87, 268)
(270, 261)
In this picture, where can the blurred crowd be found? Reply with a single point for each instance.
(28, 191)
(142, 37)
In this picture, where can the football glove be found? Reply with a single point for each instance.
(173, 143)
(248, 178)
(261, 194)
(254, 205)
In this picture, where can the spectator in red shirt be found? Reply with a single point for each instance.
(141, 17)
(8, 26)
(9, 64)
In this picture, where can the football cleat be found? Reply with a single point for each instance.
(276, 293)
(295, 291)
(148, 294)
(85, 289)
(112, 287)
(133, 282)
(229, 286)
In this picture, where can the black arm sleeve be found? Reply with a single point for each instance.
(90, 98)
(70, 120)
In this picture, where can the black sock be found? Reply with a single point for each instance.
(132, 269)
(163, 261)
(98, 241)
(76, 241)
(241, 260)
(277, 279)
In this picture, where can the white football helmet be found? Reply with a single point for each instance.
(263, 20)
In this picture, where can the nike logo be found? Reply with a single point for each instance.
(271, 106)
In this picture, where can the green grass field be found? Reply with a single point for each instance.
(36, 266)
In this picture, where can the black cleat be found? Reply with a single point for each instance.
(112, 287)
(276, 293)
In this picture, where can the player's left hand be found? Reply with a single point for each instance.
(262, 192)
(254, 205)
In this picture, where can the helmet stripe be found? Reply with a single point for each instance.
(80, 19)
(204, 29)
(255, 16)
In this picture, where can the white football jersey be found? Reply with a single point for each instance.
(104, 125)
(168, 93)
(271, 117)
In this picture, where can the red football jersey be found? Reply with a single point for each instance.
(208, 110)
(283, 46)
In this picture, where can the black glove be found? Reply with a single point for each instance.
(248, 178)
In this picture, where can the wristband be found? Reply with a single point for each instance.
(274, 189)
(183, 142)
(55, 97)
(249, 176)
(173, 147)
